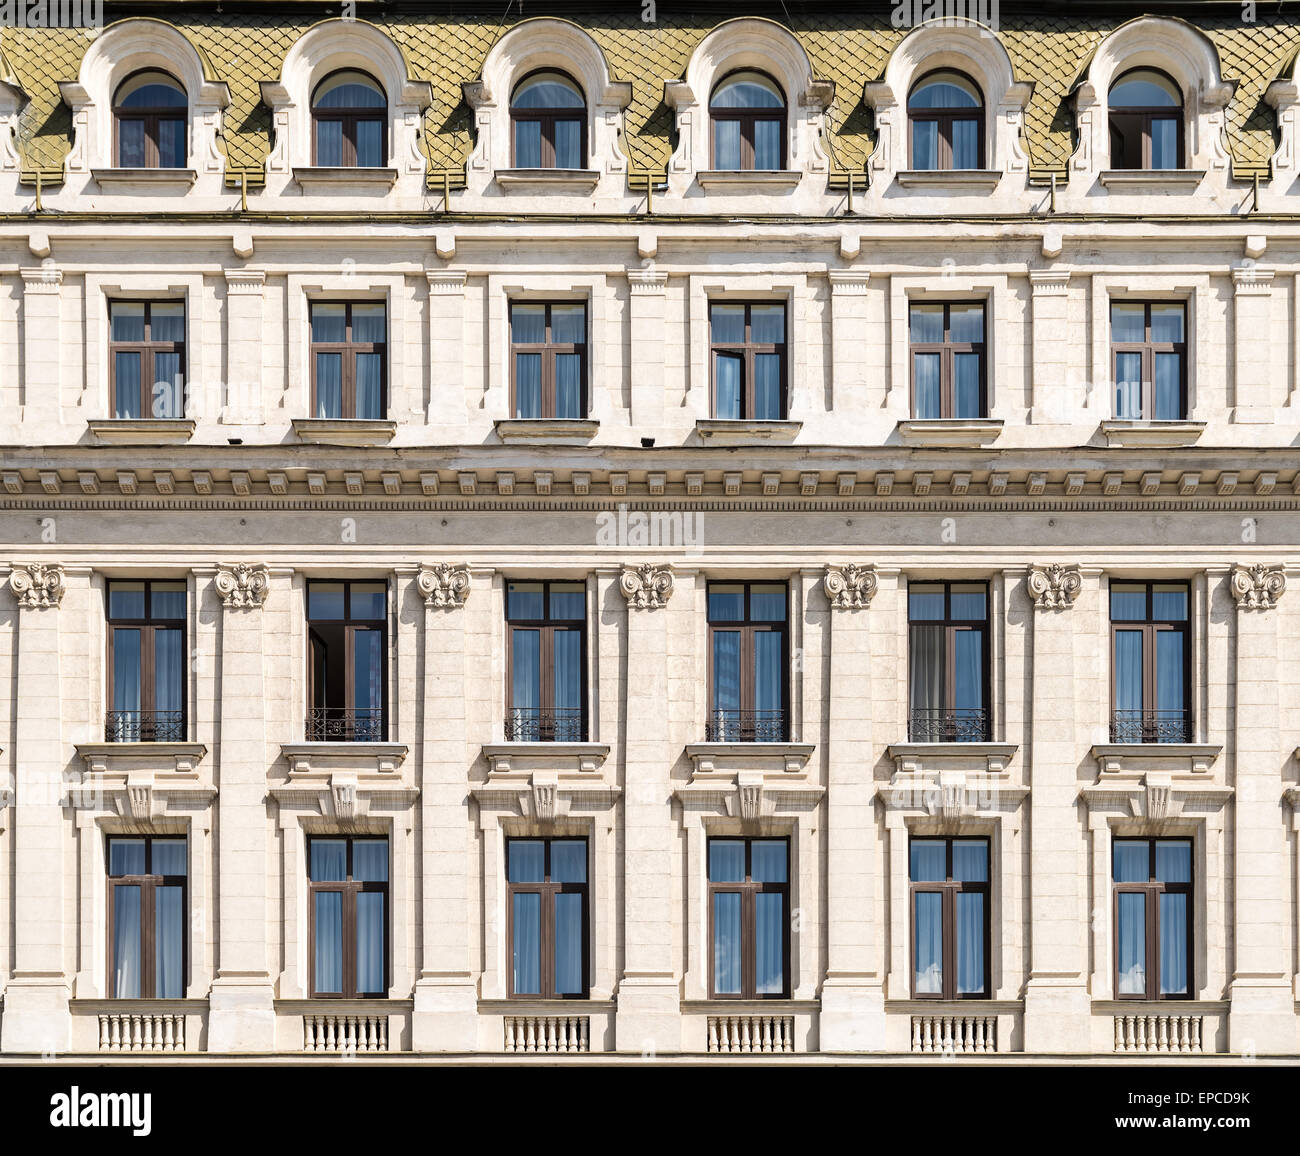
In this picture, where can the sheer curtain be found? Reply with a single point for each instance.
(726, 942)
(168, 688)
(525, 682)
(169, 932)
(1128, 670)
(370, 942)
(970, 942)
(370, 385)
(1173, 944)
(769, 965)
(568, 943)
(968, 676)
(1132, 945)
(528, 385)
(126, 942)
(925, 375)
(767, 685)
(126, 683)
(726, 386)
(329, 385)
(927, 677)
(568, 685)
(527, 942)
(329, 941)
(927, 949)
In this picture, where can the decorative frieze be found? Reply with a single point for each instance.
(850, 587)
(443, 585)
(243, 585)
(37, 585)
(1054, 587)
(646, 587)
(1257, 587)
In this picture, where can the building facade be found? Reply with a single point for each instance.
(650, 533)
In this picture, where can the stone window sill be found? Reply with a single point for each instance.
(1152, 180)
(537, 431)
(951, 180)
(749, 180)
(317, 178)
(344, 431)
(327, 758)
(149, 431)
(727, 431)
(159, 758)
(980, 758)
(1138, 758)
(152, 180)
(950, 433)
(731, 758)
(1152, 433)
(568, 758)
(548, 180)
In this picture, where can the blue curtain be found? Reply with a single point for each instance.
(767, 672)
(965, 144)
(1173, 861)
(329, 941)
(726, 942)
(1128, 670)
(168, 688)
(126, 389)
(370, 942)
(928, 861)
(767, 144)
(370, 385)
(1169, 671)
(925, 374)
(368, 681)
(126, 942)
(767, 387)
(1128, 386)
(726, 678)
(1164, 143)
(169, 932)
(970, 941)
(527, 942)
(528, 144)
(768, 861)
(171, 144)
(1132, 943)
(126, 673)
(727, 386)
(925, 145)
(567, 677)
(370, 144)
(769, 964)
(126, 857)
(370, 860)
(927, 948)
(726, 861)
(329, 385)
(966, 385)
(526, 687)
(528, 385)
(329, 860)
(568, 943)
(568, 144)
(527, 861)
(568, 385)
(329, 143)
(1168, 387)
(968, 677)
(167, 396)
(1173, 944)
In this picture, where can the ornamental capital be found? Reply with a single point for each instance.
(646, 587)
(1257, 587)
(443, 585)
(850, 587)
(37, 585)
(243, 585)
(1054, 587)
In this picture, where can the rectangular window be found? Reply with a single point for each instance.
(748, 658)
(1150, 662)
(948, 662)
(348, 895)
(146, 359)
(146, 662)
(147, 948)
(548, 359)
(349, 355)
(1148, 341)
(947, 345)
(748, 356)
(950, 918)
(547, 679)
(549, 929)
(1153, 918)
(749, 918)
(347, 628)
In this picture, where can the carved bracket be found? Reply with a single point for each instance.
(243, 586)
(1054, 587)
(444, 586)
(1257, 587)
(850, 587)
(646, 587)
(37, 585)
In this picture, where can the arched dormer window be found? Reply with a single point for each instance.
(349, 115)
(946, 113)
(1146, 121)
(747, 114)
(149, 113)
(548, 117)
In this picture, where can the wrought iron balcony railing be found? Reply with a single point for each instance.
(337, 724)
(746, 726)
(531, 724)
(948, 725)
(1151, 726)
(144, 726)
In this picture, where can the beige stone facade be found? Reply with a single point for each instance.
(1050, 497)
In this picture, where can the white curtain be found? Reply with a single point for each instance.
(126, 942)
(527, 942)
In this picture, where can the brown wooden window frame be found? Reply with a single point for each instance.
(951, 627)
(748, 889)
(146, 349)
(548, 889)
(547, 117)
(747, 628)
(1150, 627)
(350, 118)
(949, 889)
(947, 350)
(348, 350)
(1153, 889)
(748, 118)
(1143, 116)
(547, 626)
(351, 627)
(945, 118)
(147, 626)
(148, 884)
(152, 118)
(1148, 349)
(548, 350)
(349, 888)
(748, 350)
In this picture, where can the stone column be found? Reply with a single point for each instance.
(646, 330)
(648, 1015)
(241, 1005)
(446, 998)
(36, 1018)
(1253, 374)
(42, 347)
(244, 308)
(1057, 1007)
(1051, 346)
(853, 995)
(850, 361)
(1261, 1016)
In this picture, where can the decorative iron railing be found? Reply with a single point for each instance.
(530, 724)
(746, 726)
(144, 726)
(948, 725)
(1151, 726)
(336, 724)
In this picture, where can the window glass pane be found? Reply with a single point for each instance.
(727, 324)
(126, 600)
(1132, 943)
(568, 385)
(525, 683)
(329, 322)
(167, 398)
(1170, 702)
(368, 322)
(1164, 143)
(527, 937)
(130, 144)
(368, 600)
(126, 857)
(1167, 322)
(169, 942)
(370, 144)
(968, 602)
(1144, 88)
(566, 680)
(929, 858)
(769, 936)
(1168, 387)
(569, 324)
(970, 942)
(127, 320)
(167, 321)
(328, 948)
(1132, 861)
(925, 145)
(568, 601)
(726, 144)
(1127, 322)
(548, 90)
(171, 144)
(329, 385)
(568, 943)
(926, 681)
(1173, 861)
(126, 942)
(968, 682)
(126, 385)
(528, 144)
(768, 860)
(727, 603)
(727, 386)
(126, 678)
(329, 143)
(1169, 602)
(965, 144)
(528, 385)
(926, 324)
(325, 600)
(568, 144)
(767, 387)
(767, 603)
(927, 945)
(944, 90)
(726, 943)
(970, 860)
(726, 861)
(370, 860)
(726, 678)
(1128, 674)
(370, 942)
(524, 601)
(1128, 386)
(150, 90)
(747, 90)
(168, 857)
(168, 600)
(966, 400)
(527, 861)
(168, 684)
(966, 322)
(329, 860)
(927, 385)
(769, 720)
(924, 601)
(767, 324)
(569, 861)
(1128, 602)
(767, 144)
(349, 90)
(1173, 944)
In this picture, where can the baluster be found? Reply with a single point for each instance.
(789, 1033)
(916, 1034)
(584, 1026)
(746, 1028)
(103, 1033)
(137, 1033)
(733, 1035)
(1162, 1034)
(713, 1034)
(1196, 1034)
(510, 1034)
